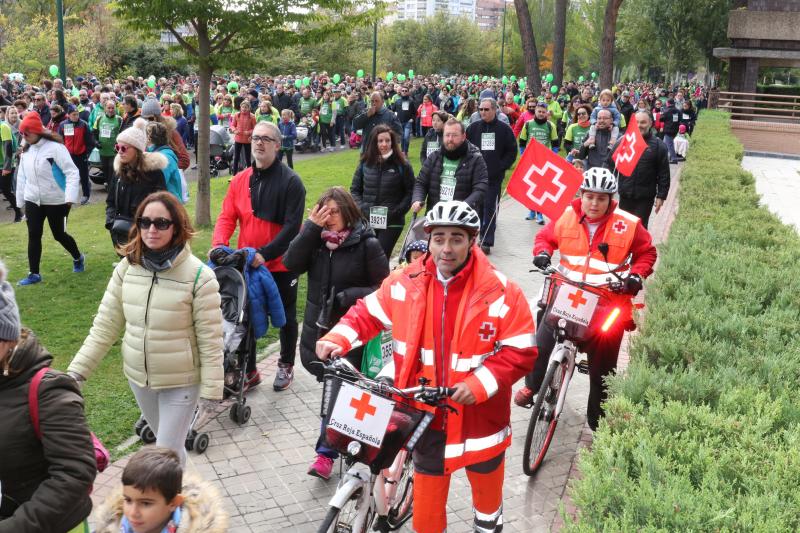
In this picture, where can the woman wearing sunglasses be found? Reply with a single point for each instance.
(168, 302)
(137, 173)
(577, 130)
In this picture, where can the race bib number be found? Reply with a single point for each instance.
(405, 106)
(378, 216)
(432, 147)
(574, 304)
(424, 113)
(105, 131)
(324, 111)
(675, 117)
(487, 141)
(685, 116)
(69, 130)
(361, 415)
(387, 348)
(448, 188)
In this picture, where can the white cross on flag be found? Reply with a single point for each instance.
(629, 149)
(543, 181)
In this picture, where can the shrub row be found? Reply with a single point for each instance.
(703, 430)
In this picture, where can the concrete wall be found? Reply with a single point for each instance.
(767, 25)
(772, 5)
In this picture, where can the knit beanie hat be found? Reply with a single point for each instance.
(135, 137)
(151, 108)
(9, 314)
(32, 123)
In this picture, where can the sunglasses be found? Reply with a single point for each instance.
(121, 148)
(584, 113)
(487, 109)
(160, 223)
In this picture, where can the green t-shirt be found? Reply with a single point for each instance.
(107, 129)
(325, 111)
(576, 134)
(544, 133)
(447, 184)
(306, 105)
(272, 116)
(339, 104)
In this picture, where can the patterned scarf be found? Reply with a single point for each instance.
(334, 239)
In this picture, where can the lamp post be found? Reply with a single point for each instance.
(62, 62)
(374, 50)
(503, 40)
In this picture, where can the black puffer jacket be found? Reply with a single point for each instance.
(366, 123)
(389, 184)
(124, 197)
(472, 179)
(433, 137)
(348, 273)
(650, 178)
(45, 484)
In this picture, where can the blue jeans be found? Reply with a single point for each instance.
(406, 136)
(669, 140)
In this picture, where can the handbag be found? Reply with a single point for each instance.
(101, 455)
(121, 225)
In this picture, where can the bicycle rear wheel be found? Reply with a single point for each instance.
(543, 418)
(343, 520)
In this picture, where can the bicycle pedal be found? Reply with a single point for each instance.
(583, 367)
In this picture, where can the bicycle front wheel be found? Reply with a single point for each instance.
(401, 508)
(344, 520)
(543, 418)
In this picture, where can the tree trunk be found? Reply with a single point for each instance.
(528, 46)
(607, 46)
(559, 41)
(202, 213)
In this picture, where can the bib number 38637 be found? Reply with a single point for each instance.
(378, 216)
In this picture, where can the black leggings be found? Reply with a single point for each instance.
(56, 216)
(237, 156)
(388, 238)
(327, 134)
(7, 188)
(289, 154)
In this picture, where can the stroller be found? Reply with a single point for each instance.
(305, 140)
(220, 149)
(238, 340)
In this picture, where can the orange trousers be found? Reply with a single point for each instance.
(430, 500)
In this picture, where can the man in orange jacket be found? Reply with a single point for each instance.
(459, 323)
(594, 236)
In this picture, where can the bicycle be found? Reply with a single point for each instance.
(576, 311)
(377, 489)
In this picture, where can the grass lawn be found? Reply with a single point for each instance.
(61, 309)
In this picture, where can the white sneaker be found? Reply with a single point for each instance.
(330, 148)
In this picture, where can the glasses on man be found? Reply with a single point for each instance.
(160, 223)
(262, 139)
(484, 109)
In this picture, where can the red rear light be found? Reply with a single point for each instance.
(610, 319)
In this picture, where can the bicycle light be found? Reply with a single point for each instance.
(423, 425)
(610, 319)
(354, 448)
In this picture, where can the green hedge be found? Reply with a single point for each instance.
(788, 90)
(703, 430)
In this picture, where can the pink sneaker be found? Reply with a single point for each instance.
(321, 467)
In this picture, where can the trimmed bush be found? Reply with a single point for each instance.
(703, 431)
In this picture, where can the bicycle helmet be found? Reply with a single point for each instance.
(452, 213)
(599, 179)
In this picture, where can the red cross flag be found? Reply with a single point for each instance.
(629, 149)
(543, 181)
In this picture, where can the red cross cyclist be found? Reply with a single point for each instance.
(593, 223)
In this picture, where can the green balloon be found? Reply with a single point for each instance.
(389, 75)
(298, 83)
(554, 89)
(550, 78)
(485, 78)
(594, 75)
(53, 70)
(411, 74)
(505, 80)
(522, 84)
(151, 83)
(513, 78)
(233, 87)
(360, 73)
(516, 98)
(401, 77)
(336, 78)
(581, 78)
(306, 81)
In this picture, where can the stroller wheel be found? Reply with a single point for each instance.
(201, 443)
(240, 413)
(147, 435)
(139, 425)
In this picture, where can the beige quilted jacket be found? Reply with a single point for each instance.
(173, 326)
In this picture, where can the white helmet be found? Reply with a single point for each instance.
(598, 179)
(452, 213)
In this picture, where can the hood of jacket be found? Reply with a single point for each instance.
(359, 232)
(28, 357)
(202, 510)
(152, 161)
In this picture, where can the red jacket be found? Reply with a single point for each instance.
(524, 117)
(488, 344)
(642, 249)
(242, 126)
(80, 142)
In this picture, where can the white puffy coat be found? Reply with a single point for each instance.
(173, 326)
(35, 180)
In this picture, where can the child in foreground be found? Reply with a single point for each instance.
(155, 497)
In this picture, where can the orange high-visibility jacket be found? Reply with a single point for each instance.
(493, 345)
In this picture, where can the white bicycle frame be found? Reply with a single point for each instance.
(381, 489)
(564, 350)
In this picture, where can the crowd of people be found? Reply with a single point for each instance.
(166, 300)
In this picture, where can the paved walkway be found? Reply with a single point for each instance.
(261, 468)
(778, 183)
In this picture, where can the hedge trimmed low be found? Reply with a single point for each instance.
(703, 431)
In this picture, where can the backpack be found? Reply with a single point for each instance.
(101, 454)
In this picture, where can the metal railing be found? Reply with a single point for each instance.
(760, 107)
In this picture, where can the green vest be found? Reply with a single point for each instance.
(107, 129)
(6, 135)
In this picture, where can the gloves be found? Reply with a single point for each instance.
(217, 255)
(542, 260)
(341, 300)
(80, 380)
(633, 284)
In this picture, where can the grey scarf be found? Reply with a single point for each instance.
(160, 261)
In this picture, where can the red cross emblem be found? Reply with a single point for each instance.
(577, 299)
(619, 226)
(550, 188)
(362, 406)
(487, 331)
